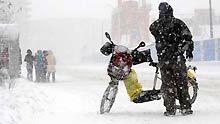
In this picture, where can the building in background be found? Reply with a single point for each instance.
(199, 23)
(130, 21)
(10, 52)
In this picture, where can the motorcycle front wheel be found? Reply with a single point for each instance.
(108, 99)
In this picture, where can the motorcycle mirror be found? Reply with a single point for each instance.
(107, 35)
(142, 44)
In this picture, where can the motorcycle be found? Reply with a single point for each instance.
(120, 67)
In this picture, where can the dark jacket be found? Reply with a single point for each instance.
(171, 35)
(29, 58)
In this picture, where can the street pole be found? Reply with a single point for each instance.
(102, 31)
(210, 15)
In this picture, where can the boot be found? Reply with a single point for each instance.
(169, 113)
(185, 112)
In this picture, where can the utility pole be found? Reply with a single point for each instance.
(102, 31)
(210, 16)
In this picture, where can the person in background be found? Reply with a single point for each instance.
(45, 53)
(39, 66)
(51, 62)
(20, 60)
(4, 64)
(29, 59)
(173, 39)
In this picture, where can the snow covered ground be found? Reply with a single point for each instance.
(75, 99)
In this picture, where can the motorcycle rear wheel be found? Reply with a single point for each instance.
(192, 89)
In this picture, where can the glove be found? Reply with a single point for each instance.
(154, 64)
(189, 55)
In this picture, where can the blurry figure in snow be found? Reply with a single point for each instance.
(45, 53)
(173, 38)
(20, 63)
(4, 64)
(51, 62)
(119, 68)
(29, 59)
(39, 66)
(4, 57)
(4, 75)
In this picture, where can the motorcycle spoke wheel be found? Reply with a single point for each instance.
(193, 91)
(108, 99)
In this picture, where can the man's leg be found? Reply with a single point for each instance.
(31, 74)
(53, 76)
(182, 88)
(167, 89)
(48, 76)
(28, 74)
(28, 69)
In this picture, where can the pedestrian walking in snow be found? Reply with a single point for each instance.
(4, 64)
(173, 38)
(29, 59)
(45, 53)
(51, 62)
(39, 66)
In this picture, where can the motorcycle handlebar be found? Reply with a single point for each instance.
(154, 64)
(107, 35)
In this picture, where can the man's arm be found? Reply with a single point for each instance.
(187, 36)
(188, 44)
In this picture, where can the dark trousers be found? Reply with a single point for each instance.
(39, 73)
(44, 75)
(174, 84)
(29, 71)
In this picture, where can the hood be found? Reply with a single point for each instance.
(165, 10)
(50, 52)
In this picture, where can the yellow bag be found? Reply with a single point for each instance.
(132, 85)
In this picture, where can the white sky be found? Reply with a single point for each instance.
(102, 8)
(72, 8)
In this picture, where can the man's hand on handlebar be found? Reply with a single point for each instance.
(189, 56)
(154, 64)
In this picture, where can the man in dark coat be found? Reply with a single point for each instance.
(29, 59)
(173, 38)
